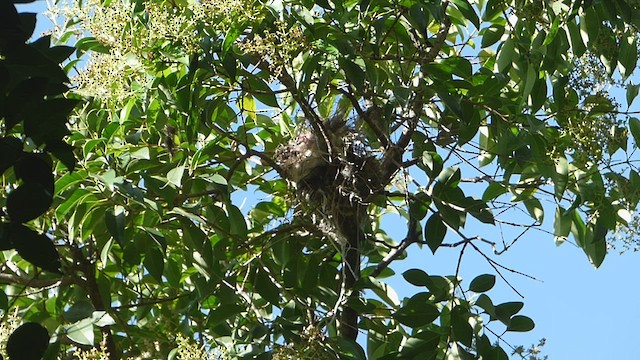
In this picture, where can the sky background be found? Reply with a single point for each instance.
(584, 313)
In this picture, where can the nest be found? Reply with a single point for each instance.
(335, 183)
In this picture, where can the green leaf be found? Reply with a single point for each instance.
(433, 163)
(266, 208)
(553, 31)
(232, 35)
(420, 344)
(417, 312)
(384, 291)
(266, 288)
(10, 150)
(101, 318)
(560, 177)
(577, 45)
(154, 263)
(493, 10)
(416, 277)
(418, 16)
(632, 93)
(261, 91)
(520, 323)
(506, 56)
(460, 327)
(434, 232)
(634, 126)
(562, 224)
(78, 311)
(505, 311)
(494, 190)
(487, 146)
(141, 154)
(628, 55)
(115, 220)
(224, 312)
(491, 35)
(485, 303)
(353, 72)
(534, 207)
(451, 102)
(482, 283)
(467, 10)
(479, 210)
(174, 176)
(595, 245)
(237, 222)
(28, 342)
(348, 349)
(450, 176)
(81, 332)
(419, 206)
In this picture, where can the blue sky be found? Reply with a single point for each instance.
(584, 313)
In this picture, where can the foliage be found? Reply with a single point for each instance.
(532, 352)
(328, 118)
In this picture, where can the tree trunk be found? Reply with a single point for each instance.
(349, 226)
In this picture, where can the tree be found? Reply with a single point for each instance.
(332, 116)
(34, 115)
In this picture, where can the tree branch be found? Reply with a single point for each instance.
(412, 237)
(14, 279)
(91, 287)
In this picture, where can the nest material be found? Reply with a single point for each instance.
(340, 180)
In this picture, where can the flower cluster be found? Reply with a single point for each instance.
(188, 350)
(277, 48)
(134, 41)
(10, 322)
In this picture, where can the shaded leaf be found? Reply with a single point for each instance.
(505, 311)
(460, 326)
(634, 126)
(35, 169)
(491, 35)
(632, 93)
(534, 207)
(78, 311)
(417, 312)
(27, 202)
(5, 237)
(434, 232)
(420, 344)
(482, 283)
(521, 323)
(266, 288)
(36, 248)
(154, 263)
(10, 149)
(416, 277)
(28, 342)
(115, 220)
(419, 206)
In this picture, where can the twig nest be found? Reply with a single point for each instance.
(301, 157)
(349, 171)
